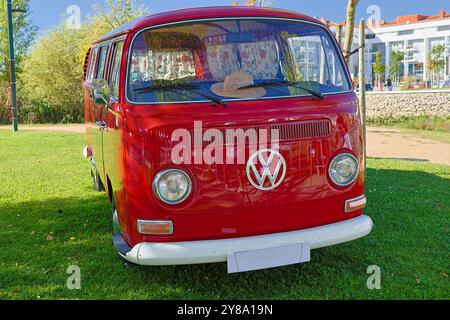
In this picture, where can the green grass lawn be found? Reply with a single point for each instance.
(435, 128)
(50, 219)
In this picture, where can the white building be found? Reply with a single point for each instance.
(415, 36)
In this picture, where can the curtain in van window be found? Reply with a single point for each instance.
(172, 65)
(260, 59)
(222, 60)
(139, 69)
(150, 65)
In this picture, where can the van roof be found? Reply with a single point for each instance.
(204, 13)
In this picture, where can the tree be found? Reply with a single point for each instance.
(436, 62)
(53, 71)
(379, 69)
(24, 34)
(395, 68)
(339, 35)
(253, 3)
(52, 77)
(109, 16)
(349, 28)
(118, 12)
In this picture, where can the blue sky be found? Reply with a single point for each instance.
(47, 13)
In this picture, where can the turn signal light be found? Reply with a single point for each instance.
(354, 204)
(87, 152)
(155, 227)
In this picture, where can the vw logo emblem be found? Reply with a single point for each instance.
(263, 165)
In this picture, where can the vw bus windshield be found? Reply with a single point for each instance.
(232, 60)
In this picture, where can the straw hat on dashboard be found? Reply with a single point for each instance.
(229, 88)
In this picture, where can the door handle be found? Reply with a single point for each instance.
(102, 125)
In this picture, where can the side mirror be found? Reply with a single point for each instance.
(100, 92)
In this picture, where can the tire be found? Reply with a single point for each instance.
(97, 182)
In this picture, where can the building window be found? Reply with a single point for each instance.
(444, 28)
(370, 36)
(405, 32)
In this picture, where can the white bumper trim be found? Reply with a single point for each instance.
(207, 251)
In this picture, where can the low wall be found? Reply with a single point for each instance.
(408, 103)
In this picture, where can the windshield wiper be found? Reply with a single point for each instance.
(180, 87)
(282, 84)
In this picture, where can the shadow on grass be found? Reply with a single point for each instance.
(39, 240)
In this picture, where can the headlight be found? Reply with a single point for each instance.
(172, 186)
(343, 169)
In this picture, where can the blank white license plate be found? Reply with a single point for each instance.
(268, 258)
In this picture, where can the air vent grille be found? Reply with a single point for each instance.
(302, 130)
(313, 129)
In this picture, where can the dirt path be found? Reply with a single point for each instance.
(397, 144)
(78, 128)
(381, 143)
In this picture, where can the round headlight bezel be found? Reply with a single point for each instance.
(355, 175)
(160, 175)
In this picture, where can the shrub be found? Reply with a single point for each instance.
(432, 123)
(52, 78)
(51, 83)
(4, 103)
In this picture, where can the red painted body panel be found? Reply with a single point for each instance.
(224, 204)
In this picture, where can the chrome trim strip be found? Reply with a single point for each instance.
(330, 34)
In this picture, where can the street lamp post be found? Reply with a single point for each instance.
(12, 65)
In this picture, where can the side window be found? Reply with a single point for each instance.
(102, 62)
(335, 71)
(316, 62)
(92, 64)
(115, 68)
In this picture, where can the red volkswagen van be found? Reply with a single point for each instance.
(225, 134)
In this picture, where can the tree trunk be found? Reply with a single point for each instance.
(349, 28)
(362, 86)
(339, 35)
